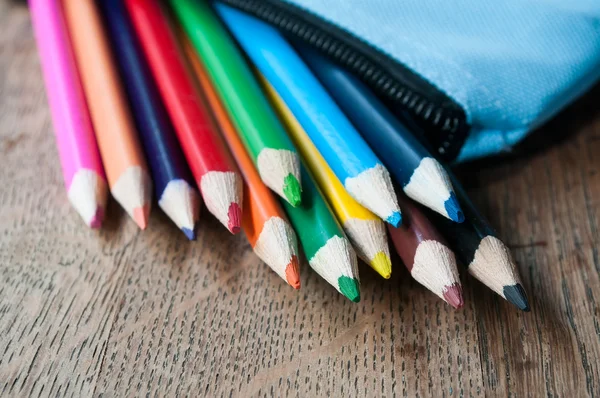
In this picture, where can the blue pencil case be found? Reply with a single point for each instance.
(474, 77)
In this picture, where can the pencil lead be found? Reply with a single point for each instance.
(382, 264)
(350, 288)
(189, 233)
(395, 219)
(516, 295)
(292, 273)
(453, 295)
(96, 221)
(234, 222)
(87, 194)
(292, 190)
(141, 215)
(453, 209)
(181, 203)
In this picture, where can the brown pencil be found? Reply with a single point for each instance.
(425, 254)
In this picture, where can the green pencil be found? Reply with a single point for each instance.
(261, 131)
(326, 247)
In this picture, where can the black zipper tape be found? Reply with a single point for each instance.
(435, 117)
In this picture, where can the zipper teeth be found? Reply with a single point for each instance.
(448, 121)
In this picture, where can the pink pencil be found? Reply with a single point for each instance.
(79, 156)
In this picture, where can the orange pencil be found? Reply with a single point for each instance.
(263, 221)
(117, 138)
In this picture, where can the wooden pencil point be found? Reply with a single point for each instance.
(220, 191)
(373, 189)
(435, 267)
(133, 191)
(336, 263)
(369, 239)
(277, 246)
(493, 265)
(430, 185)
(181, 203)
(87, 194)
(278, 177)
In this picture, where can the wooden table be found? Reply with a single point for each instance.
(122, 312)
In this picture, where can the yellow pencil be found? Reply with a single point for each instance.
(365, 230)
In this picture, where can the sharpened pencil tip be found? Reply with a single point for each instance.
(382, 264)
(516, 295)
(350, 288)
(453, 295)
(395, 219)
(189, 233)
(292, 273)
(292, 190)
(234, 218)
(96, 221)
(453, 209)
(141, 215)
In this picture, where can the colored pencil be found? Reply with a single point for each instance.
(426, 255)
(270, 234)
(120, 149)
(213, 167)
(477, 247)
(327, 249)
(365, 230)
(81, 164)
(348, 155)
(262, 133)
(421, 176)
(176, 195)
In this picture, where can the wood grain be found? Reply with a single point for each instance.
(128, 313)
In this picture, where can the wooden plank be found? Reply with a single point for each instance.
(119, 312)
(59, 280)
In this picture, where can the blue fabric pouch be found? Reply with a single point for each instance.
(509, 64)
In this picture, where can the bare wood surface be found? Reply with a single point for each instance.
(126, 313)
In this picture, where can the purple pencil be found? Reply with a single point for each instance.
(81, 164)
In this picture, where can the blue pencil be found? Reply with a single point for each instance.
(421, 176)
(177, 196)
(351, 159)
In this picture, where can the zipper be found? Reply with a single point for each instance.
(434, 117)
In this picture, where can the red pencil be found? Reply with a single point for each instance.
(425, 254)
(209, 159)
